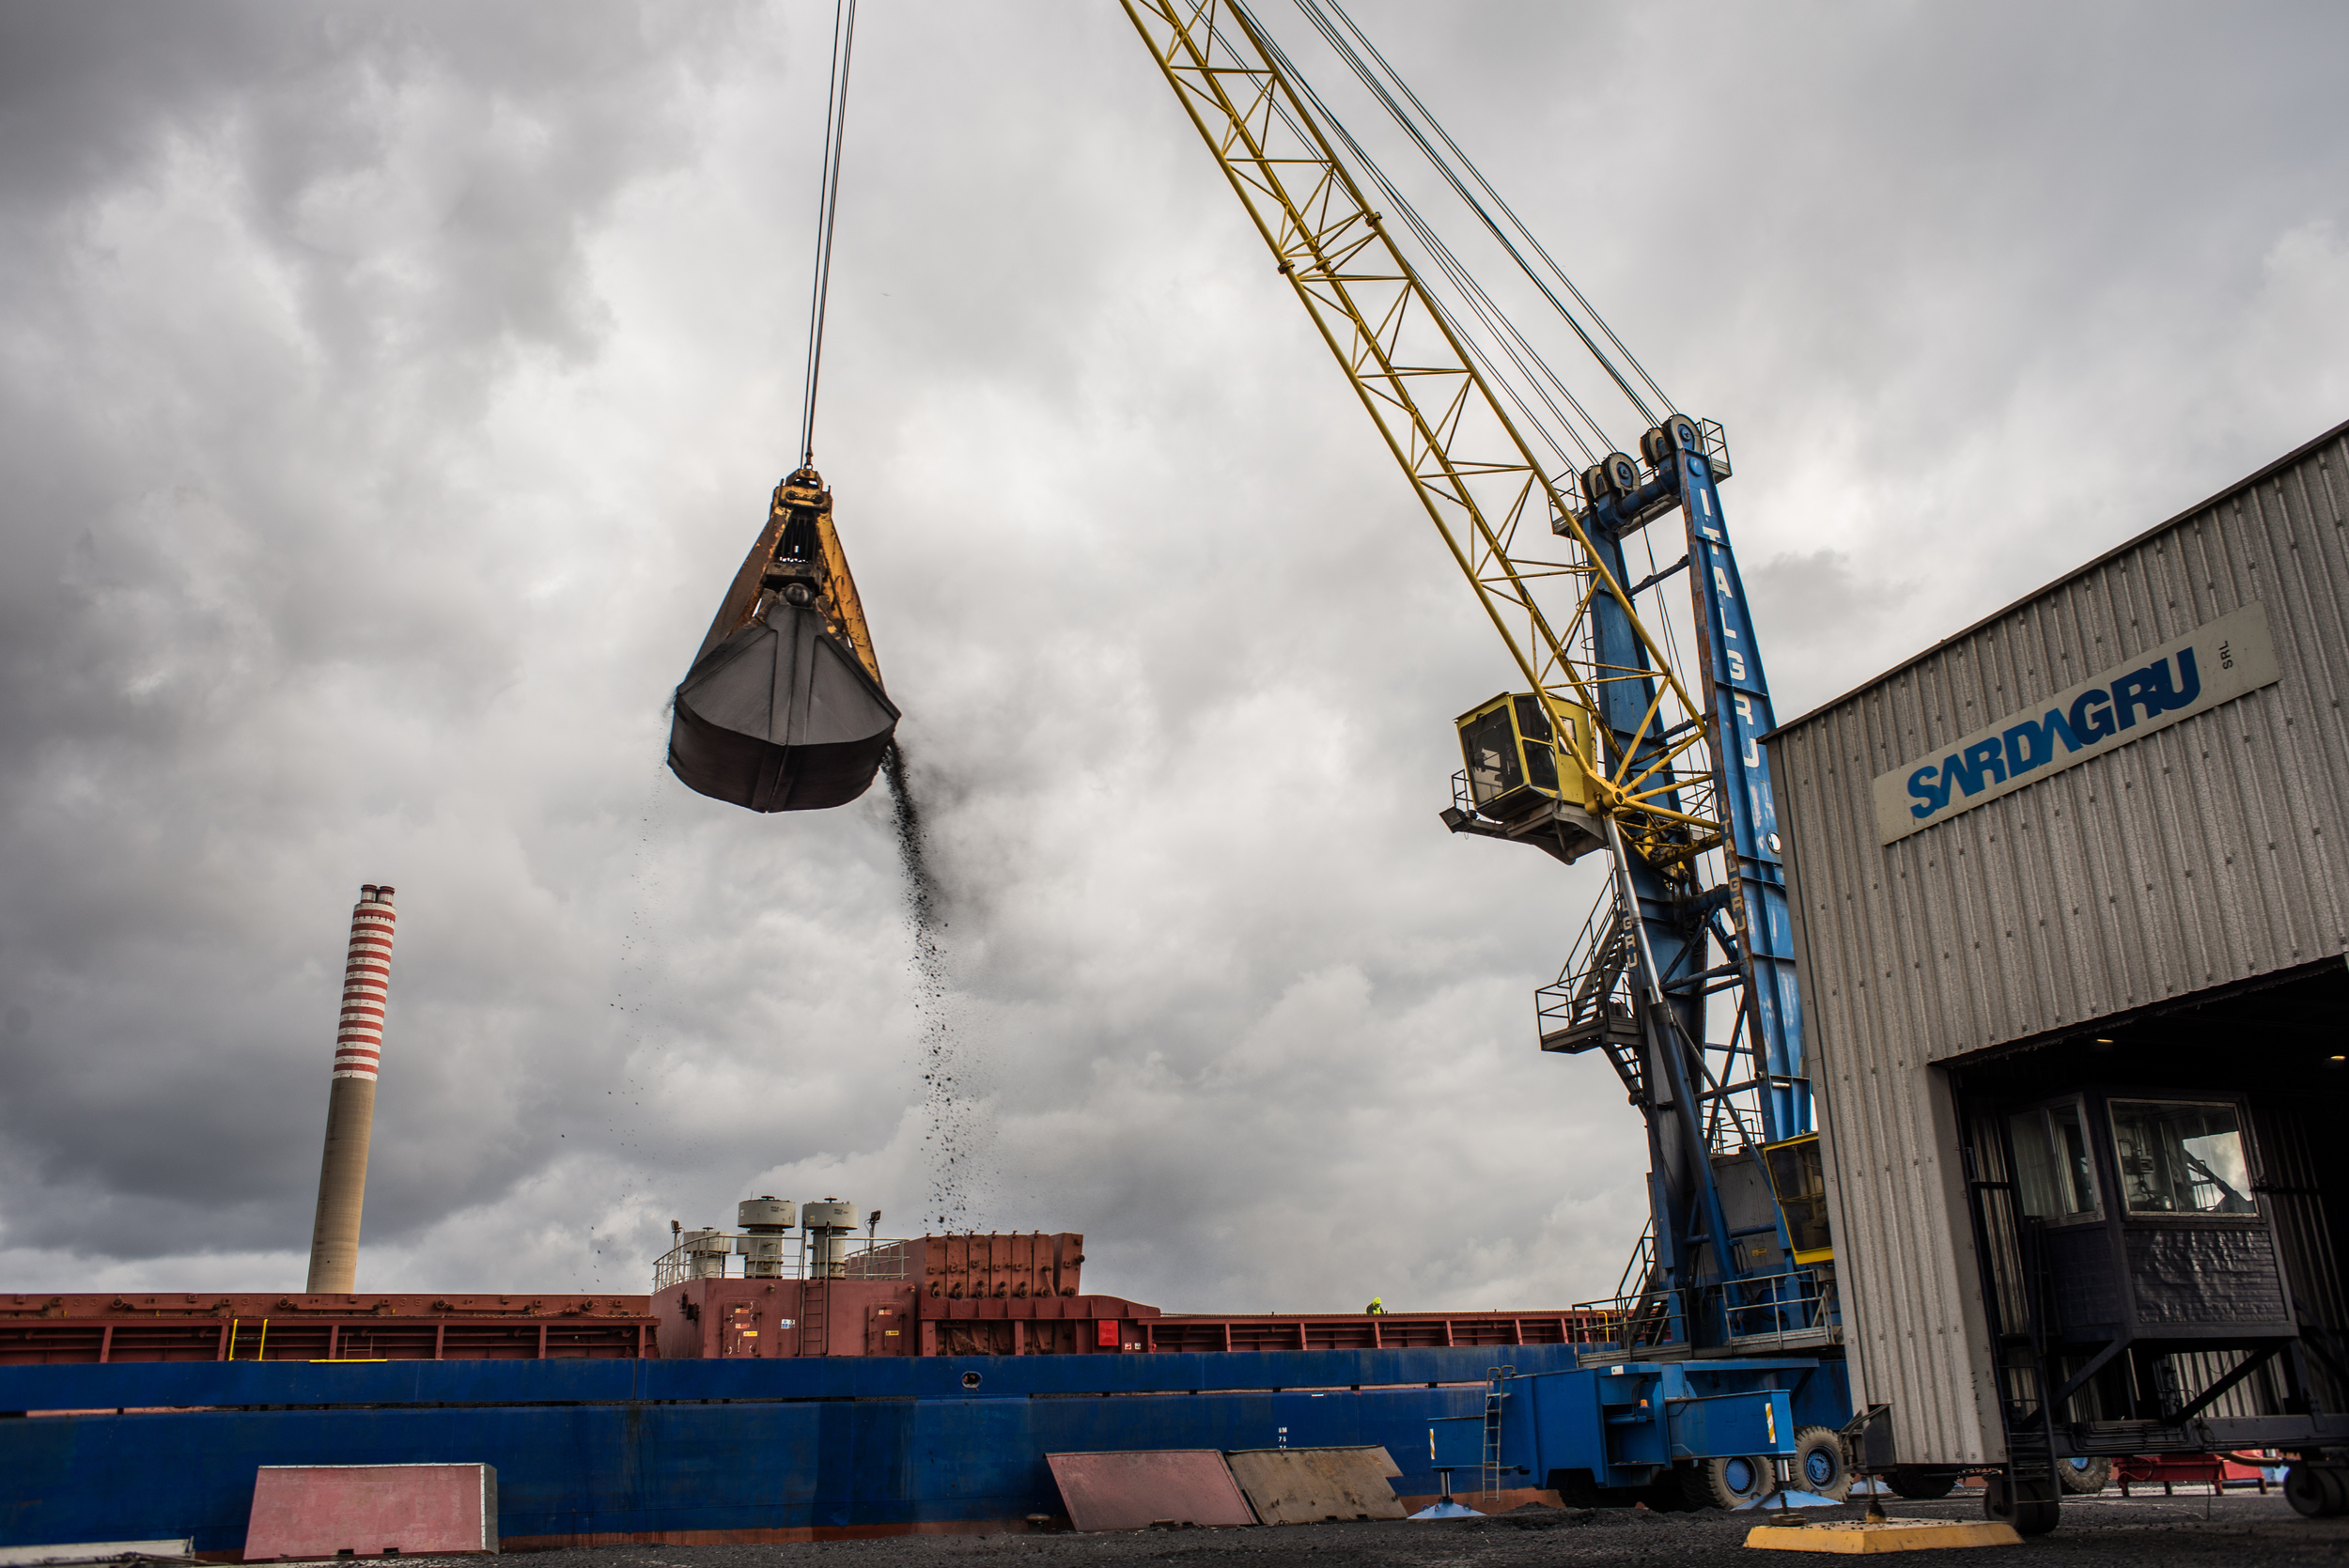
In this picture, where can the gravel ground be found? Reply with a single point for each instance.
(2106, 1531)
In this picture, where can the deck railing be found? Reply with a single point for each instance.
(713, 1255)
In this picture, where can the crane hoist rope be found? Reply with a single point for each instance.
(783, 707)
(1353, 46)
(1539, 381)
(827, 215)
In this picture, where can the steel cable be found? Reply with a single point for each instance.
(827, 213)
(1513, 342)
(1354, 62)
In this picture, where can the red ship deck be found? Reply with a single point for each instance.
(214, 1326)
(208, 1325)
(1196, 1331)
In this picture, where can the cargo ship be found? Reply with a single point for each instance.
(777, 1384)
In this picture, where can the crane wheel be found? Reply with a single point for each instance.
(1821, 1465)
(1921, 1486)
(2316, 1491)
(1726, 1483)
(2033, 1507)
(2084, 1476)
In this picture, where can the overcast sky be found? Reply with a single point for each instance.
(388, 391)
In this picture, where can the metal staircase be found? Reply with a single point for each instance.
(1590, 1006)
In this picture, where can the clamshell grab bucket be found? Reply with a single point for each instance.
(780, 716)
(782, 709)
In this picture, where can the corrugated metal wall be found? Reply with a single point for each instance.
(2206, 853)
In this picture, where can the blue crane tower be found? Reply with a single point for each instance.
(1737, 1266)
(1693, 933)
(1674, 947)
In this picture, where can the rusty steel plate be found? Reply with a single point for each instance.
(1158, 1486)
(328, 1511)
(1312, 1486)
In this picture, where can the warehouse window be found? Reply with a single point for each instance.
(2052, 1164)
(2181, 1159)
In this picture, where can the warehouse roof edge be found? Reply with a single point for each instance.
(2265, 471)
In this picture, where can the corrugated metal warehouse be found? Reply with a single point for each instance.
(2071, 923)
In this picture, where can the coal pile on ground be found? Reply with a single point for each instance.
(2107, 1532)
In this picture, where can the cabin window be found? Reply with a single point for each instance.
(2179, 1158)
(1531, 720)
(1491, 753)
(1541, 767)
(2053, 1170)
(1799, 1178)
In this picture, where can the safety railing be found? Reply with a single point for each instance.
(1590, 1003)
(1641, 1266)
(711, 1254)
(1641, 1322)
(1789, 1309)
(1716, 447)
(1797, 1308)
(1732, 1129)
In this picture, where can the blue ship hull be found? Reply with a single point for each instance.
(685, 1450)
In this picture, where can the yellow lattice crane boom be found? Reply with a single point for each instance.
(1615, 743)
(1514, 534)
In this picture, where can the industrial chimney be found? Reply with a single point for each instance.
(351, 1100)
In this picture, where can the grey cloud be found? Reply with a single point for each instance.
(387, 391)
(1818, 605)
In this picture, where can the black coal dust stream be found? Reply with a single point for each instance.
(953, 1131)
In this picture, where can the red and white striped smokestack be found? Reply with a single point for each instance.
(366, 985)
(350, 1094)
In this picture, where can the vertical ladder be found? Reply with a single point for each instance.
(1496, 1390)
(814, 1339)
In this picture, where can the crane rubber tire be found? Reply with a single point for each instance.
(2316, 1491)
(2081, 1477)
(1726, 1483)
(1821, 1465)
(1921, 1486)
(2033, 1507)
